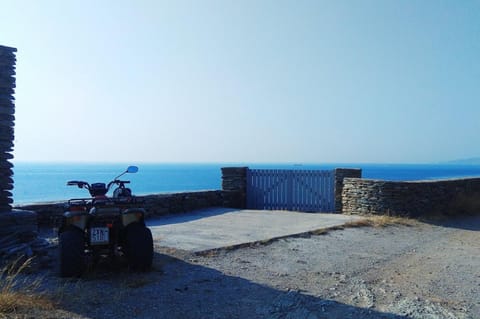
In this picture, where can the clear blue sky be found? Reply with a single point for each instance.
(245, 81)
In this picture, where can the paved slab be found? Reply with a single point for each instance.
(220, 227)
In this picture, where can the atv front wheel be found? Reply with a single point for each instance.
(72, 252)
(139, 247)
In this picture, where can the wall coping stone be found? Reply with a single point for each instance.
(371, 180)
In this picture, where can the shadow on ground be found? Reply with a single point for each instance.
(180, 289)
(466, 222)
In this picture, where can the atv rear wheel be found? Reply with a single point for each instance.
(139, 247)
(72, 252)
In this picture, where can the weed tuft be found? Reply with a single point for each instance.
(18, 292)
(380, 221)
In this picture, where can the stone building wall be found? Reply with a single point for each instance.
(413, 199)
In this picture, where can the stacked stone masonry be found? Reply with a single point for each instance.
(413, 199)
(18, 229)
(353, 196)
(19, 237)
(234, 186)
(233, 195)
(7, 118)
(340, 175)
(50, 214)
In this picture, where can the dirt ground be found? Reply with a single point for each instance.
(427, 270)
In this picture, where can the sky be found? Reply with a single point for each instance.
(245, 81)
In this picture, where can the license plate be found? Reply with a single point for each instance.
(99, 235)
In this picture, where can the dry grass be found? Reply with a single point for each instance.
(18, 292)
(376, 221)
(109, 288)
(380, 221)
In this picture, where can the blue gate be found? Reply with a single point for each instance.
(296, 190)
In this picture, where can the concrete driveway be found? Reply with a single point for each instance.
(222, 227)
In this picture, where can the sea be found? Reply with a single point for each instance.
(43, 182)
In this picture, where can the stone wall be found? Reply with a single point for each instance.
(164, 204)
(233, 195)
(340, 174)
(413, 199)
(49, 214)
(19, 237)
(353, 195)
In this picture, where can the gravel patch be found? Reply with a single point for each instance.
(422, 271)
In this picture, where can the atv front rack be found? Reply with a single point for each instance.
(79, 204)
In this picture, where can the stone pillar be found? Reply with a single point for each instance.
(18, 228)
(7, 111)
(234, 186)
(340, 174)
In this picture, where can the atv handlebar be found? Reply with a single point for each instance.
(100, 189)
(92, 188)
(118, 182)
(80, 184)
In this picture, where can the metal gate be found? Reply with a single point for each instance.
(297, 190)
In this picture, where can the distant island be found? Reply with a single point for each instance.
(466, 161)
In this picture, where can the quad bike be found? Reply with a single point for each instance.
(101, 227)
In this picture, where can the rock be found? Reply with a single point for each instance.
(7, 111)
